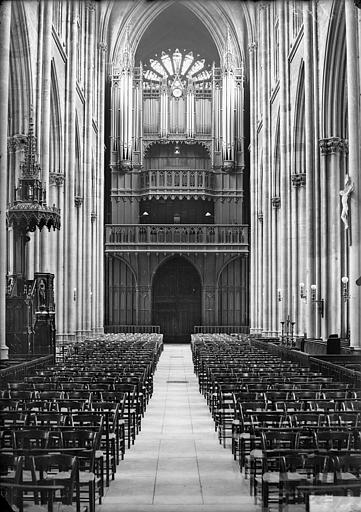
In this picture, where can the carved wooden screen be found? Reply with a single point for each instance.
(232, 293)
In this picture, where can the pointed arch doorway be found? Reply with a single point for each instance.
(176, 299)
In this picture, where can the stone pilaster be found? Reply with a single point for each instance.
(5, 19)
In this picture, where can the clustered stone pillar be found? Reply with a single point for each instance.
(266, 202)
(69, 217)
(254, 317)
(282, 263)
(100, 219)
(44, 142)
(5, 19)
(353, 38)
(86, 274)
(309, 151)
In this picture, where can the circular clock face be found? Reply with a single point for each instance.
(177, 93)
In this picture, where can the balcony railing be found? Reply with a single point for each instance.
(174, 180)
(177, 238)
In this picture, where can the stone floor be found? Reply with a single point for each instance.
(177, 464)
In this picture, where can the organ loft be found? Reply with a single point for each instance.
(177, 238)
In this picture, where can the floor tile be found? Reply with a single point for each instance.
(177, 463)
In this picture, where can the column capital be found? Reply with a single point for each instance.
(78, 201)
(333, 145)
(93, 216)
(103, 47)
(56, 178)
(276, 202)
(252, 47)
(260, 215)
(90, 5)
(262, 5)
(298, 179)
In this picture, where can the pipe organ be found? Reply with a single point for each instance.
(176, 187)
(176, 97)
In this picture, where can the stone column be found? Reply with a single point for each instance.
(70, 216)
(276, 204)
(87, 284)
(332, 150)
(253, 285)
(353, 37)
(101, 275)
(5, 20)
(283, 283)
(79, 229)
(44, 142)
(309, 149)
(299, 182)
(59, 276)
(266, 203)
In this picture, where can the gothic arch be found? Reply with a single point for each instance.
(276, 191)
(214, 18)
(20, 81)
(56, 139)
(298, 156)
(334, 94)
(170, 257)
(78, 185)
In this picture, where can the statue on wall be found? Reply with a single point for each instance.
(345, 194)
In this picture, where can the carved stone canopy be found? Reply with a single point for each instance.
(29, 209)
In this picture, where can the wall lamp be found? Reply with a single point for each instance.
(320, 302)
(145, 214)
(302, 289)
(279, 295)
(345, 291)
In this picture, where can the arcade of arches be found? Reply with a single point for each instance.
(179, 163)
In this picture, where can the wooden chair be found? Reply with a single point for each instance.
(58, 469)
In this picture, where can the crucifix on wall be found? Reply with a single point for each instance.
(345, 194)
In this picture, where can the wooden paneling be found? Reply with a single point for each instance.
(232, 293)
(177, 299)
(120, 291)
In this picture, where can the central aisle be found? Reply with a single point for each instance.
(177, 463)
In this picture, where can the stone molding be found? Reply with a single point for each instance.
(78, 201)
(103, 47)
(298, 179)
(276, 202)
(333, 145)
(56, 178)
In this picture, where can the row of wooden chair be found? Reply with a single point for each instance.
(293, 430)
(65, 429)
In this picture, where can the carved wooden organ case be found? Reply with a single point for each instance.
(177, 97)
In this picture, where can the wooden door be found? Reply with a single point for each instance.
(177, 300)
